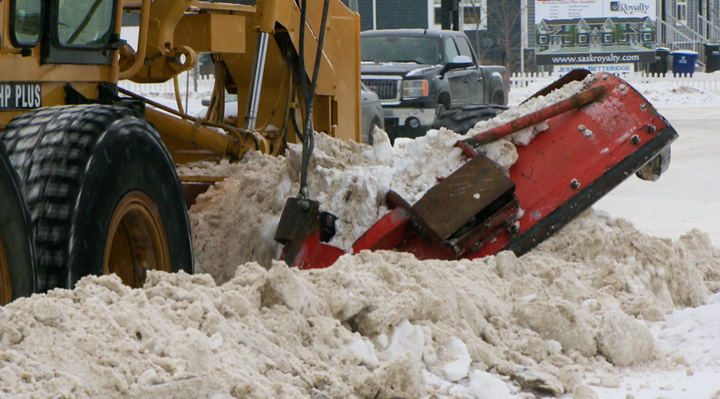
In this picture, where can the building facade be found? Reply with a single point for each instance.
(502, 30)
(493, 26)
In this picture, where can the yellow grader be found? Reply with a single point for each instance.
(88, 179)
(88, 183)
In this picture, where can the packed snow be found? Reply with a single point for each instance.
(602, 309)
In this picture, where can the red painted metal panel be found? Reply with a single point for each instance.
(562, 170)
(577, 149)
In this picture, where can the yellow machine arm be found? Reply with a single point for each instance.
(255, 50)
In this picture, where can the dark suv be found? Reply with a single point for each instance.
(420, 73)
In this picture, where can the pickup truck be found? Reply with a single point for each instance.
(419, 73)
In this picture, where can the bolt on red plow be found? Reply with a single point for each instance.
(595, 139)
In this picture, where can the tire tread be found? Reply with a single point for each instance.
(49, 149)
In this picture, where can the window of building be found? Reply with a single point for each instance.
(647, 37)
(681, 12)
(472, 17)
(608, 38)
(543, 39)
(582, 38)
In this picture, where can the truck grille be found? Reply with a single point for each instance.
(386, 89)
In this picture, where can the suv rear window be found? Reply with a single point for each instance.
(420, 50)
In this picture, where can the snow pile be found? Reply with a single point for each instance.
(349, 180)
(662, 94)
(682, 327)
(375, 325)
(669, 95)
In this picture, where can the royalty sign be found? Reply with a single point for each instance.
(570, 32)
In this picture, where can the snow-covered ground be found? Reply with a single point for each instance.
(386, 325)
(686, 197)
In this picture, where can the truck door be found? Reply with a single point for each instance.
(458, 79)
(474, 74)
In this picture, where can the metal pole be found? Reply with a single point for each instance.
(577, 101)
(523, 32)
(187, 91)
(374, 3)
(251, 110)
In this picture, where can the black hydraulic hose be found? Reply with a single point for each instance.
(296, 76)
(293, 118)
(308, 138)
(321, 40)
(307, 147)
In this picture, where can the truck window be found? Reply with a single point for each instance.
(84, 22)
(451, 50)
(26, 22)
(420, 50)
(464, 47)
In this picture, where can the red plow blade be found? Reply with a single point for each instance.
(595, 140)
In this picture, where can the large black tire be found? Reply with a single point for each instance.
(17, 274)
(103, 194)
(464, 118)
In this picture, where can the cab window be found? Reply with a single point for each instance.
(464, 47)
(26, 22)
(450, 50)
(83, 23)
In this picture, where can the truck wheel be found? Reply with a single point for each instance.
(439, 109)
(103, 195)
(464, 118)
(17, 275)
(498, 98)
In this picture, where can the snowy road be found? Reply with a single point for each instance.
(687, 196)
(692, 333)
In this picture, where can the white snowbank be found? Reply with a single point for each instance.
(375, 325)
(661, 93)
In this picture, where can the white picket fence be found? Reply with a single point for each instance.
(699, 80)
